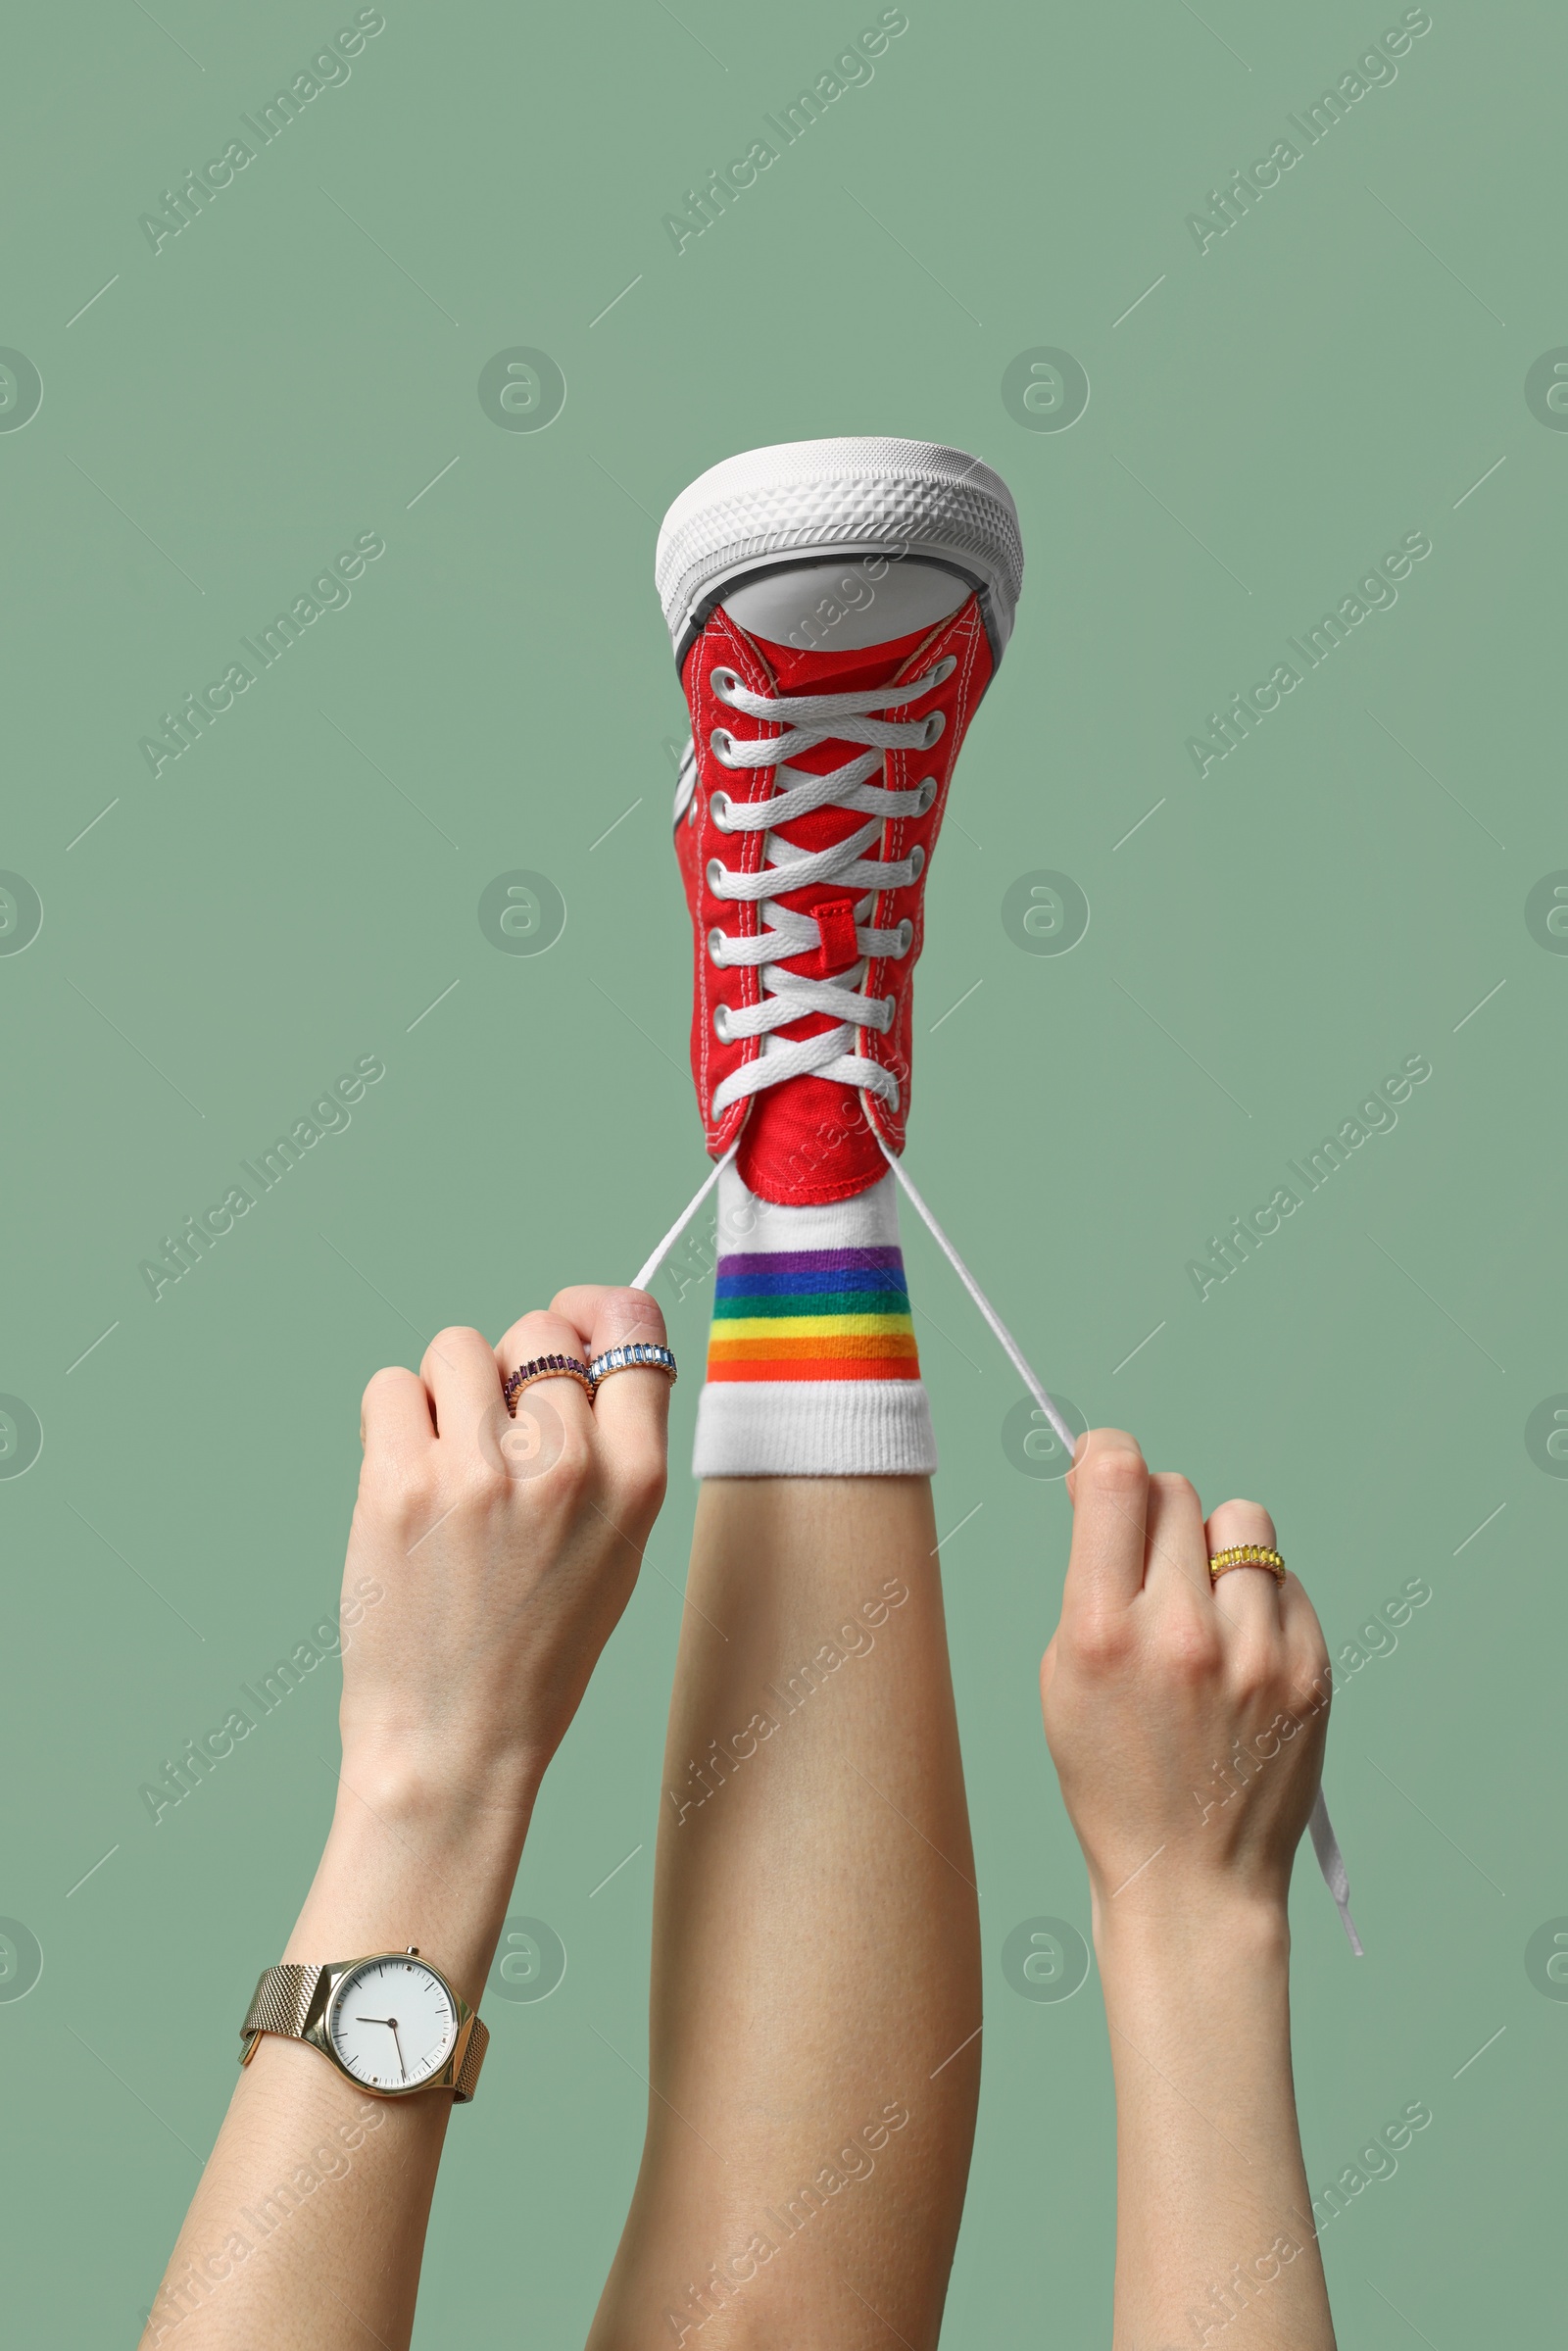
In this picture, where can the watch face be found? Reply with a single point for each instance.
(392, 2024)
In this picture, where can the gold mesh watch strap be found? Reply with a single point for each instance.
(282, 2001)
(473, 2060)
(288, 1998)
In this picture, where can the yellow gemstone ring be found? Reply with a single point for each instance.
(1247, 1555)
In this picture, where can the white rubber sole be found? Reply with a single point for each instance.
(805, 501)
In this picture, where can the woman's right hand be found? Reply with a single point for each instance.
(1186, 1714)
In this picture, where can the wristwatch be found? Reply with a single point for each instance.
(391, 2023)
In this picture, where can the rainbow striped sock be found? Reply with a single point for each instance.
(812, 1368)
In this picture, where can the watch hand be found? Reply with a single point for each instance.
(376, 2020)
(402, 2060)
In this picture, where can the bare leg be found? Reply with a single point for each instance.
(816, 1966)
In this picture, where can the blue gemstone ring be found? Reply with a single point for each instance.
(631, 1358)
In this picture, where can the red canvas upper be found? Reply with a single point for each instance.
(811, 1140)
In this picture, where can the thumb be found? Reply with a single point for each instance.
(631, 1406)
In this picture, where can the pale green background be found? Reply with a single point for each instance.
(1276, 412)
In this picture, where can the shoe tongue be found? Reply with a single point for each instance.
(816, 672)
(805, 1119)
(803, 670)
(798, 670)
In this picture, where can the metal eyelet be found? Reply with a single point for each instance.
(722, 683)
(719, 810)
(916, 860)
(935, 723)
(717, 875)
(927, 787)
(906, 938)
(944, 669)
(718, 743)
(716, 943)
(722, 1024)
(890, 1005)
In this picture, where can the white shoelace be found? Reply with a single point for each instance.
(811, 719)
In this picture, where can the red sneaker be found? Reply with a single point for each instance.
(838, 608)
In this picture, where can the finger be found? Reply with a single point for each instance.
(608, 1315)
(1078, 1451)
(1303, 1635)
(394, 1416)
(548, 1332)
(631, 1406)
(1247, 1598)
(1178, 1550)
(1110, 1487)
(459, 1372)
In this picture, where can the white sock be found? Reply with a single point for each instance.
(812, 1370)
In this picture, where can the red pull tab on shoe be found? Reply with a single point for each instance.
(835, 919)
